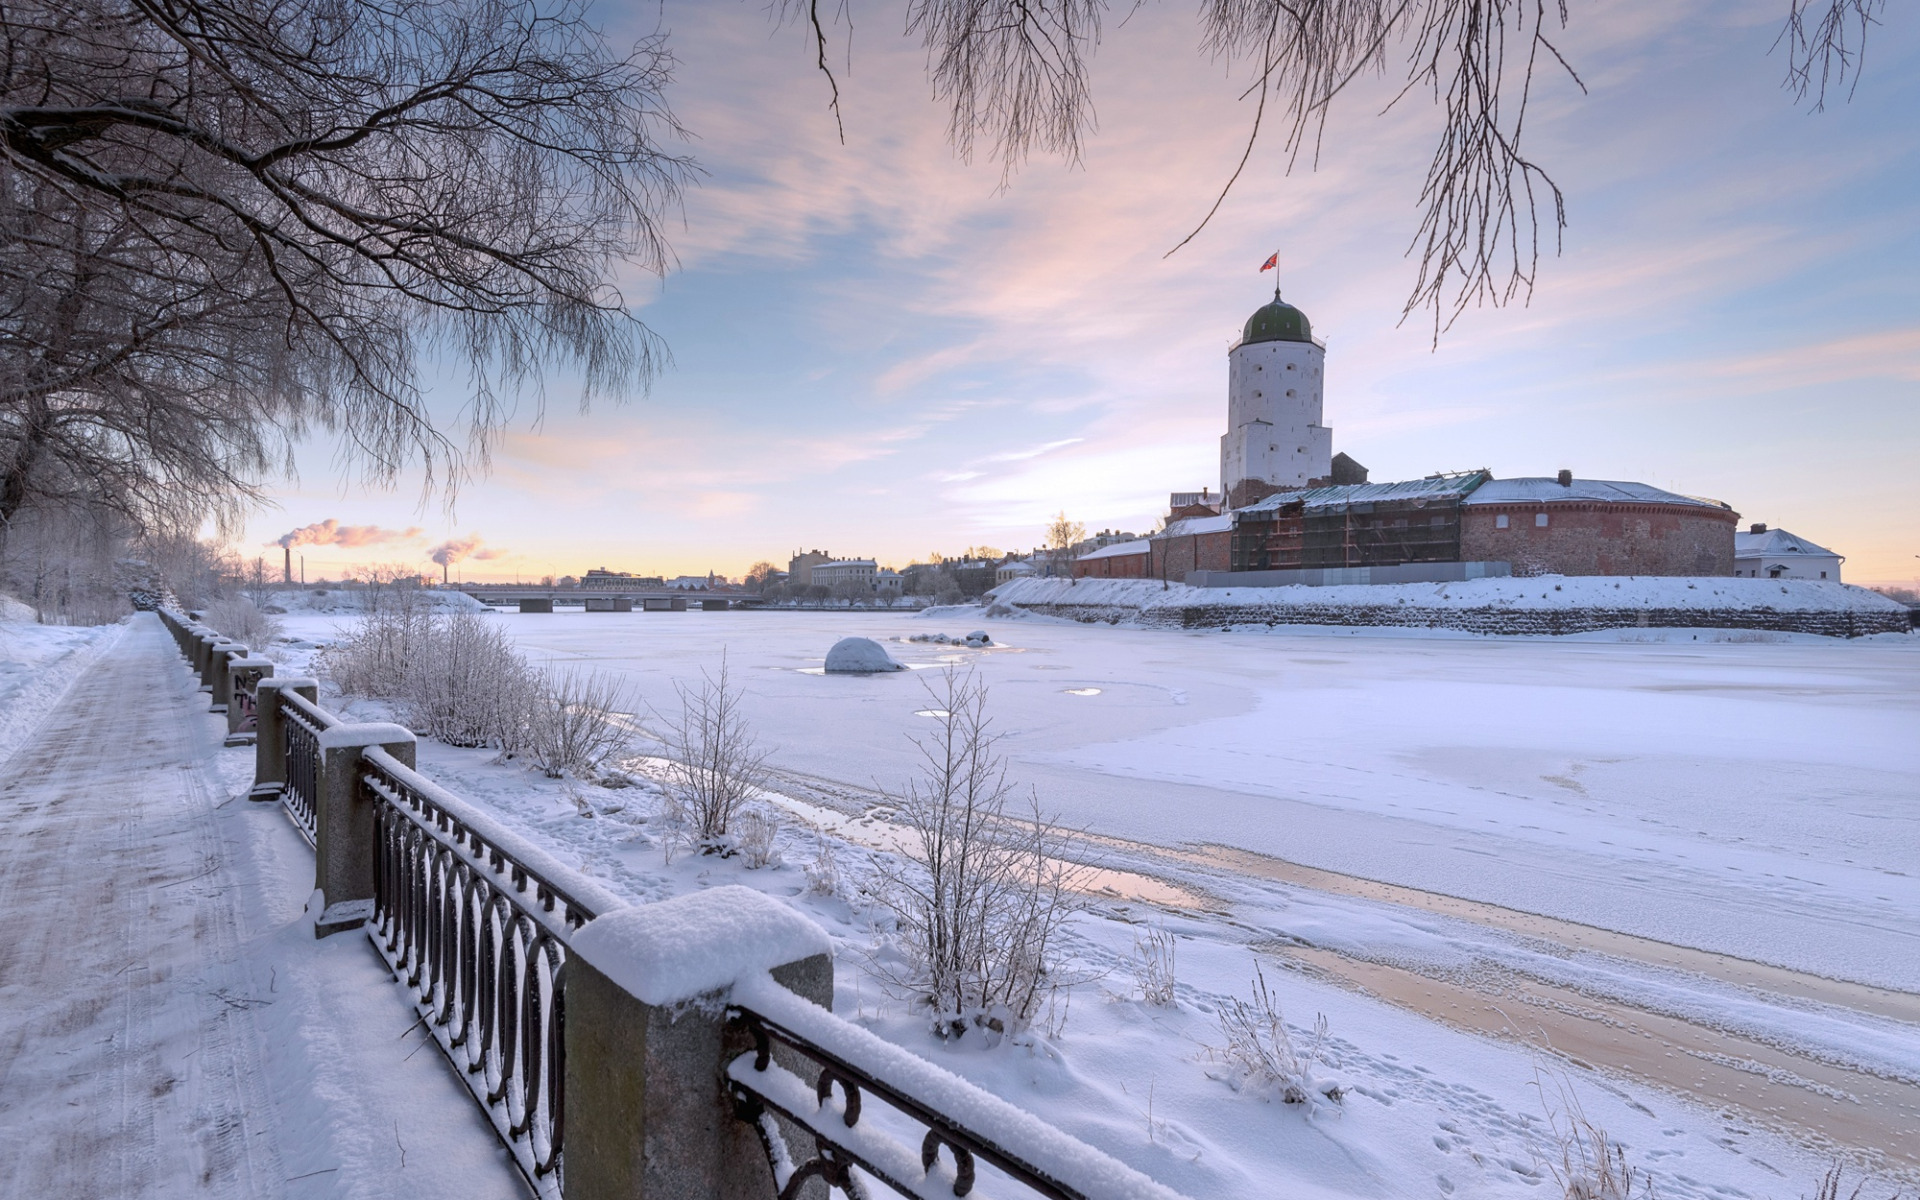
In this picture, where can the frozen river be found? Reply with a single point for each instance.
(1757, 798)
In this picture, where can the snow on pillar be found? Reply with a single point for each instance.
(343, 822)
(270, 745)
(647, 1043)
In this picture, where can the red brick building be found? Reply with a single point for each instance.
(1193, 544)
(1122, 560)
(1570, 526)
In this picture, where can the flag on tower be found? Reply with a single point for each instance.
(1272, 261)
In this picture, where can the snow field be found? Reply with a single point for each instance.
(38, 664)
(1449, 781)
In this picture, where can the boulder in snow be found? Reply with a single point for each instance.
(859, 656)
(979, 638)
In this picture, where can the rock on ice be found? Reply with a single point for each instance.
(859, 656)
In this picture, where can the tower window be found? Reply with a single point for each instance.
(1289, 392)
(1289, 366)
(1539, 520)
(1500, 521)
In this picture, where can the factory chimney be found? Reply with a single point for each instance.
(286, 571)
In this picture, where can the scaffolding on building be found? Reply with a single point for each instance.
(1357, 525)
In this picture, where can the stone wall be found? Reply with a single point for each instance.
(1596, 538)
(1492, 620)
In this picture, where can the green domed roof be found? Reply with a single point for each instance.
(1277, 322)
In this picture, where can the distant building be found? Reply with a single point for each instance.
(834, 572)
(1101, 540)
(1763, 553)
(800, 567)
(1275, 438)
(1193, 544)
(888, 582)
(1203, 503)
(1568, 526)
(1354, 525)
(1121, 560)
(1013, 569)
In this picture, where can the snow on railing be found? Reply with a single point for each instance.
(475, 922)
(971, 1125)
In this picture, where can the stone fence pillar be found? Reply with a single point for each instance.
(649, 1113)
(270, 736)
(225, 654)
(199, 653)
(343, 849)
(243, 697)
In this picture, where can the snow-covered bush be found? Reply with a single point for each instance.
(715, 763)
(753, 835)
(983, 898)
(241, 619)
(466, 685)
(1261, 1049)
(380, 653)
(823, 873)
(1153, 958)
(576, 722)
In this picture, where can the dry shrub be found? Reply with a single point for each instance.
(576, 723)
(466, 684)
(823, 873)
(1262, 1050)
(715, 763)
(379, 655)
(753, 837)
(1592, 1165)
(457, 677)
(985, 894)
(1153, 960)
(241, 619)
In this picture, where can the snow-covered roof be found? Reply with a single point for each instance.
(1776, 543)
(1117, 550)
(1434, 487)
(1016, 568)
(1189, 526)
(1545, 489)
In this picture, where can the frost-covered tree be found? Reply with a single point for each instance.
(987, 887)
(229, 220)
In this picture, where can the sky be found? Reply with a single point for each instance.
(880, 351)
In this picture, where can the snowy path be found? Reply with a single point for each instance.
(168, 1025)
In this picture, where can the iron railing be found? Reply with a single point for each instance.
(476, 925)
(923, 1103)
(478, 939)
(301, 722)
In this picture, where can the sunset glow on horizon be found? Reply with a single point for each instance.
(880, 352)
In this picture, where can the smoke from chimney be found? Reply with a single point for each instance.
(332, 533)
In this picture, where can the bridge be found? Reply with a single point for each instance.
(547, 599)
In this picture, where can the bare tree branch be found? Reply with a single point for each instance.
(1826, 42)
(367, 190)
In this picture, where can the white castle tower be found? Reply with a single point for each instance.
(1274, 437)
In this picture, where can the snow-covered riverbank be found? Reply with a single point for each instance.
(1549, 604)
(1753, 798)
